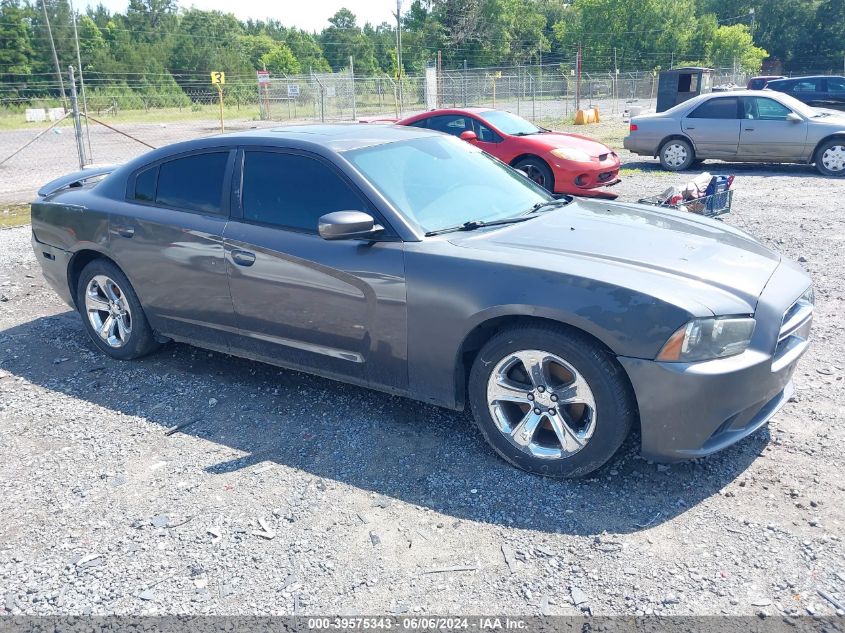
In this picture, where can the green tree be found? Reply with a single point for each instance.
(344, 39)
(280, 60)
(15, 39)
(207, 41)
(733, 47)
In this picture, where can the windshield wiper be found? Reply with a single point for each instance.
(477, 224)
(560, 202)
(526, 133)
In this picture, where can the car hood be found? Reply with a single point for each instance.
(554, 140)
(665, 242)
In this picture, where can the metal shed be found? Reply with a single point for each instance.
(679, 84)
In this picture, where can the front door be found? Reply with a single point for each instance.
(168, 237)
(767, 134)
(714, 127)
(333, 307)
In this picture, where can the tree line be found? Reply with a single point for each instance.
(162, 52)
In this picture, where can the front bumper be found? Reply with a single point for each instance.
(691, 410)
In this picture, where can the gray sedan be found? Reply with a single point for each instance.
(410, 262)
(747, 126)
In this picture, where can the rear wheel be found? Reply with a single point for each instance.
(112, 313)
(538, 171)
(676, 155)
(830, 158)
(550, 401)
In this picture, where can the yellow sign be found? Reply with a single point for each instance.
(218, 78)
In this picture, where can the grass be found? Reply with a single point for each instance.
(14, 215)
(16, 120)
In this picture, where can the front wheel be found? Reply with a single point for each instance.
(676, 155)
(550, 401)
(830, 158)
(538, 171)
(112, 313)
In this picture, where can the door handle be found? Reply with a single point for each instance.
(749, 129)
(125, 230)
(243, 258)
(690, 127)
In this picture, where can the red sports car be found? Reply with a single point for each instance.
(562, 163)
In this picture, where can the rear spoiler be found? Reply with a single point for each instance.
(76, 179)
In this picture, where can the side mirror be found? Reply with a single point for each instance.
(793, 118)
(469, 136)
(348, 225)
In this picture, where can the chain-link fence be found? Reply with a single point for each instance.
(117, 129)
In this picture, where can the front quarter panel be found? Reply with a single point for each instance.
(451, 292)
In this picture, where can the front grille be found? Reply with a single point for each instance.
(794, 333)
(605, 175)
(603, 157)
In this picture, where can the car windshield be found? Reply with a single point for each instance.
(509, 123)
(440, 181)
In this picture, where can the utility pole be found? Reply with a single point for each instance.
(352, 78)
(55, 56)
(77, 124)
(81, 78)
(399, 49)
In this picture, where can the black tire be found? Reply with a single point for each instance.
(538, 171)
(828, 164)
(676, 154)
(138, 339)
(615, 408)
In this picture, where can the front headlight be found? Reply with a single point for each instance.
(706, 339)
(567, 153)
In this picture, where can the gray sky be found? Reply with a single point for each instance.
(311, 15)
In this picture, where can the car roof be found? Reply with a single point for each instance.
(335, 138)
(466, 110)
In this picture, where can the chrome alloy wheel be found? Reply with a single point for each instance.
(675, 154)
(833, 158)
(541, 404)
(108, 311)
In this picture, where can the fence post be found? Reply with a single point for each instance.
(77, 124)
(464, 82)
(352, 77)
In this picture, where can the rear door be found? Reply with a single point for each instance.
(767, 134)
(168, 239)
(810, 90)
(333, 307)
(713, 127)
(835, 93)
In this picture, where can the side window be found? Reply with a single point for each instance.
(449, 123)
(293, 191)
(193, 183)
(485, 134)
(808, 85)
(420, 123)
(765, 109)
(720, 108)
(145, 185)
(835, 84)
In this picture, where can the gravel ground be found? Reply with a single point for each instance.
(292, 494)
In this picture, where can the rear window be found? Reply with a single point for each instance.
(145, 185)
(722, 108)
(193, 183)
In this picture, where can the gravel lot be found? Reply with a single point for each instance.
(292, 494)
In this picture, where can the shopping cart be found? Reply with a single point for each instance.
(713, 201)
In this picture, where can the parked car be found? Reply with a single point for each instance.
(412, 263)
(820, 91)
(562, 163)
(758, 83)
(746, 126)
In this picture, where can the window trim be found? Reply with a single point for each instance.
(389, 235)
(737, 111)
(225, 202)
